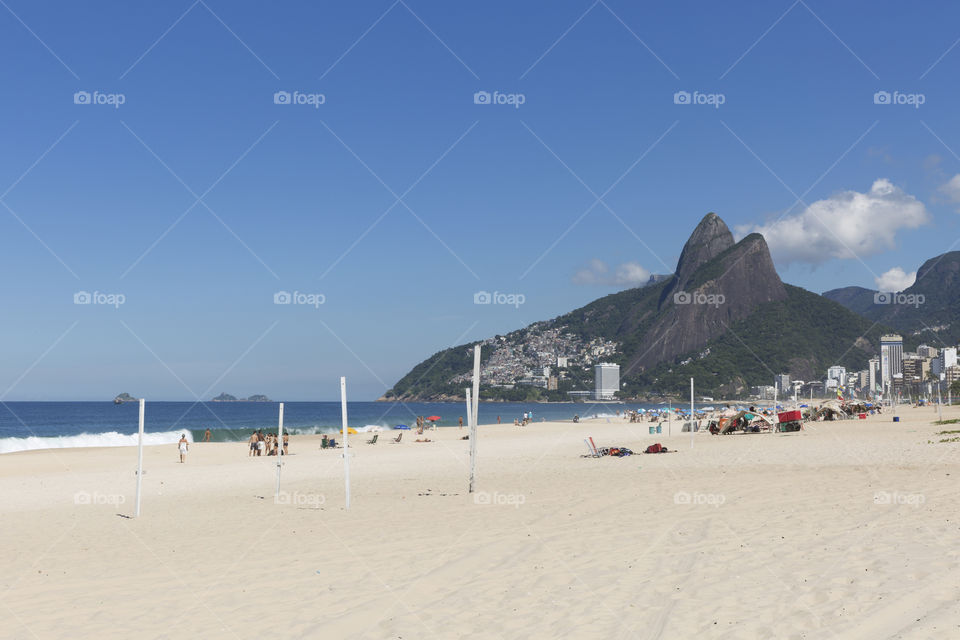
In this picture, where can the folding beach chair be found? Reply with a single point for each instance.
(591, 449)
(374, 439)
(397, 439)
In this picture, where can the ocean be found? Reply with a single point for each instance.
(48, 425)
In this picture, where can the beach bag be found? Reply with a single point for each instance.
(654, 448)
(614, 451)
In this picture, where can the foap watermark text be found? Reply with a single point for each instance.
(696, 297)
(496, 97)
(297, 499)
(98, 97)
(897, 498)
(501, 499)
(891, 297)
(299, 98)
(896, 97)
(710, 499)
(98, 297)
(297, 297)
(710, 99)
(512, 299)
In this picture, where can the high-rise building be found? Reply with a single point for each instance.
(891, 358)
(926, 351)
(606, 381)
(782, 382)
(837, 373)
(946, 359)
(873, 373)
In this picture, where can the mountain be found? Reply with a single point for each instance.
(724, 317)
(927, 309)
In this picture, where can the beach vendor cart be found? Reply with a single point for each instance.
(790, 420)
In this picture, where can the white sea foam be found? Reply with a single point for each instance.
(107, 439)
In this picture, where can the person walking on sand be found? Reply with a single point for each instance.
(253, 444)
(183, 445)
(206, 435)
(461, 422)
(498, 419)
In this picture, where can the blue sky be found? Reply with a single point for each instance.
(395, 200)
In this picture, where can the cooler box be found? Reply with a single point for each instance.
(863, 416)
(790, 416)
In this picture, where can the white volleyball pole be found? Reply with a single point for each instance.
(279, 452)
(346, 452)
(475, 401)
(691, 413)
(476, 384)
(139, 460)
(471, 427)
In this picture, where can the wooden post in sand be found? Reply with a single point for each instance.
(139, 461)
(346, 452)
(276, 497)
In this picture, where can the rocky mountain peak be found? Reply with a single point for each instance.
(708, 240)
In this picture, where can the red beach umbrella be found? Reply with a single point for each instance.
(433, 418)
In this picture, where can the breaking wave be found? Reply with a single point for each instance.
(106, 439)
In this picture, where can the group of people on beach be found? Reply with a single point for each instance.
(269, 443)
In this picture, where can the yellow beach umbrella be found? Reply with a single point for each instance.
(350, 430)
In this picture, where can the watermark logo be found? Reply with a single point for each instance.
(512, 299)
(711, 299)
(500, 499)
(897, 498)
(513, 99)
(298, 97)
(97, 297)
(85, 498)
(712, 99)
(907, 299)
(911, 99)
(308, 299)
(96, 97)
(297, 499)
(710, 499)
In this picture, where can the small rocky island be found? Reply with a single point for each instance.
(125, 397)
(226, 397)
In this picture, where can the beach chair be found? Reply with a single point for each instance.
(374, 439)
(591, 449)
(397, 439)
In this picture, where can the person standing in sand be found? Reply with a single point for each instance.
(206, 435)
(183, 446)
(253, 444)
(461, 422)
(286, 441)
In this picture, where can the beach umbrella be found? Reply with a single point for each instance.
(402, 426)
(433, 418)
(350, 430)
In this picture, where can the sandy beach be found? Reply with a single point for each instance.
(843, 530)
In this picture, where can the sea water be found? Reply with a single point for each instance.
(47, 425)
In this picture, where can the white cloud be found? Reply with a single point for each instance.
(895, 279)
(951, 189)
(629, 274)
(847, 225)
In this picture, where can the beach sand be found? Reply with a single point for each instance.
(843, 530)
